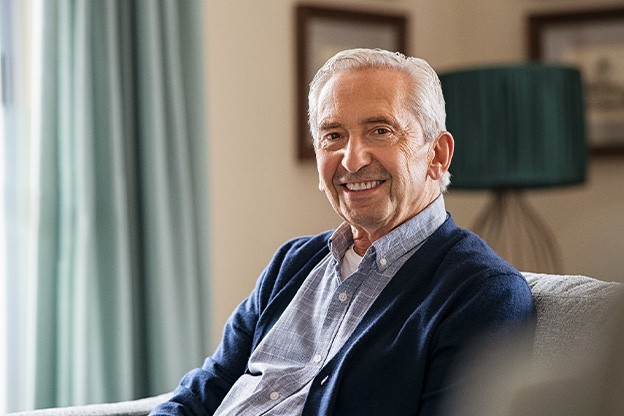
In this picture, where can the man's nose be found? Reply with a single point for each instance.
(356, 155)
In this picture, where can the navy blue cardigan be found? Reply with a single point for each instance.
(399, 359)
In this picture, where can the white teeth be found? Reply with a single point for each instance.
(361, 186)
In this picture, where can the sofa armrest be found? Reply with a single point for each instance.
(139, 407)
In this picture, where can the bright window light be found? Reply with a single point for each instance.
(20, 46)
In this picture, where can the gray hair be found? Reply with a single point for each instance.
(426, 97)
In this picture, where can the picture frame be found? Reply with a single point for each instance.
(321, 32)
(593, 41)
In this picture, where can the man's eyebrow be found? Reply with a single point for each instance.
(379, 119)
(327, 125)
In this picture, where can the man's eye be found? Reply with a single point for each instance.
(332, 136)
(381, 131)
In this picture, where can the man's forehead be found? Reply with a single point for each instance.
(366, 99)
(365, 83)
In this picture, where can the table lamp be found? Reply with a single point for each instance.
(516, 127)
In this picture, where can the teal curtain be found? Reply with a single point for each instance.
(122, 267)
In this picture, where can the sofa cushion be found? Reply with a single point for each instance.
(127, 408)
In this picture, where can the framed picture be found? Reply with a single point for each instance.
(593, 41)
(321, 32)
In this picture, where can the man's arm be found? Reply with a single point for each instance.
(202, 390)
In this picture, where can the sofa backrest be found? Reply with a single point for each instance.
(571, 311)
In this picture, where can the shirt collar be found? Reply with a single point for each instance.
(397, 242)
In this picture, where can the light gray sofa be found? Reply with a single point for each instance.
(570, 311)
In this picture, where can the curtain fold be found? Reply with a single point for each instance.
(122, 262)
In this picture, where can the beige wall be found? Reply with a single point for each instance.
(260, 194)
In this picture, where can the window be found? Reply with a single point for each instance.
(19, 51)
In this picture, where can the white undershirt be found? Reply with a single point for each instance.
(350, 263)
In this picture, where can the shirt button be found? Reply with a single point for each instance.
(317, 358)
(342, 297)
(274, 396)
(383, 261)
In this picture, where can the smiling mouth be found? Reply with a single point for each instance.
(362, 186)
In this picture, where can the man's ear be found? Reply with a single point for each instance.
(442, 154)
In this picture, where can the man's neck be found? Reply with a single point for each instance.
(361, 241)
(363, 237)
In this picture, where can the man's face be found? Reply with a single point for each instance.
(371, 153)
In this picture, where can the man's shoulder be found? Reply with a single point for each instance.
(464, 261)
(289, 267)
(307, 242)
(300, 253)
(462, 246)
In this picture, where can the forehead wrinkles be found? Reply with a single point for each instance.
(401, 119)
(370, 94)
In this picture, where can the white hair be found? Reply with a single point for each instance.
(425, 99)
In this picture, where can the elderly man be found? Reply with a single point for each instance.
(369, 319)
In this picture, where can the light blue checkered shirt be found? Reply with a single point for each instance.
(321, 317)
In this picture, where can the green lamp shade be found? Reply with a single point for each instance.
(516, 126)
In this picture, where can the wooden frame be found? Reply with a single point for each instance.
(320, 33)
(593, 41)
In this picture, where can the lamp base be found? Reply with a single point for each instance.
(517, 233)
